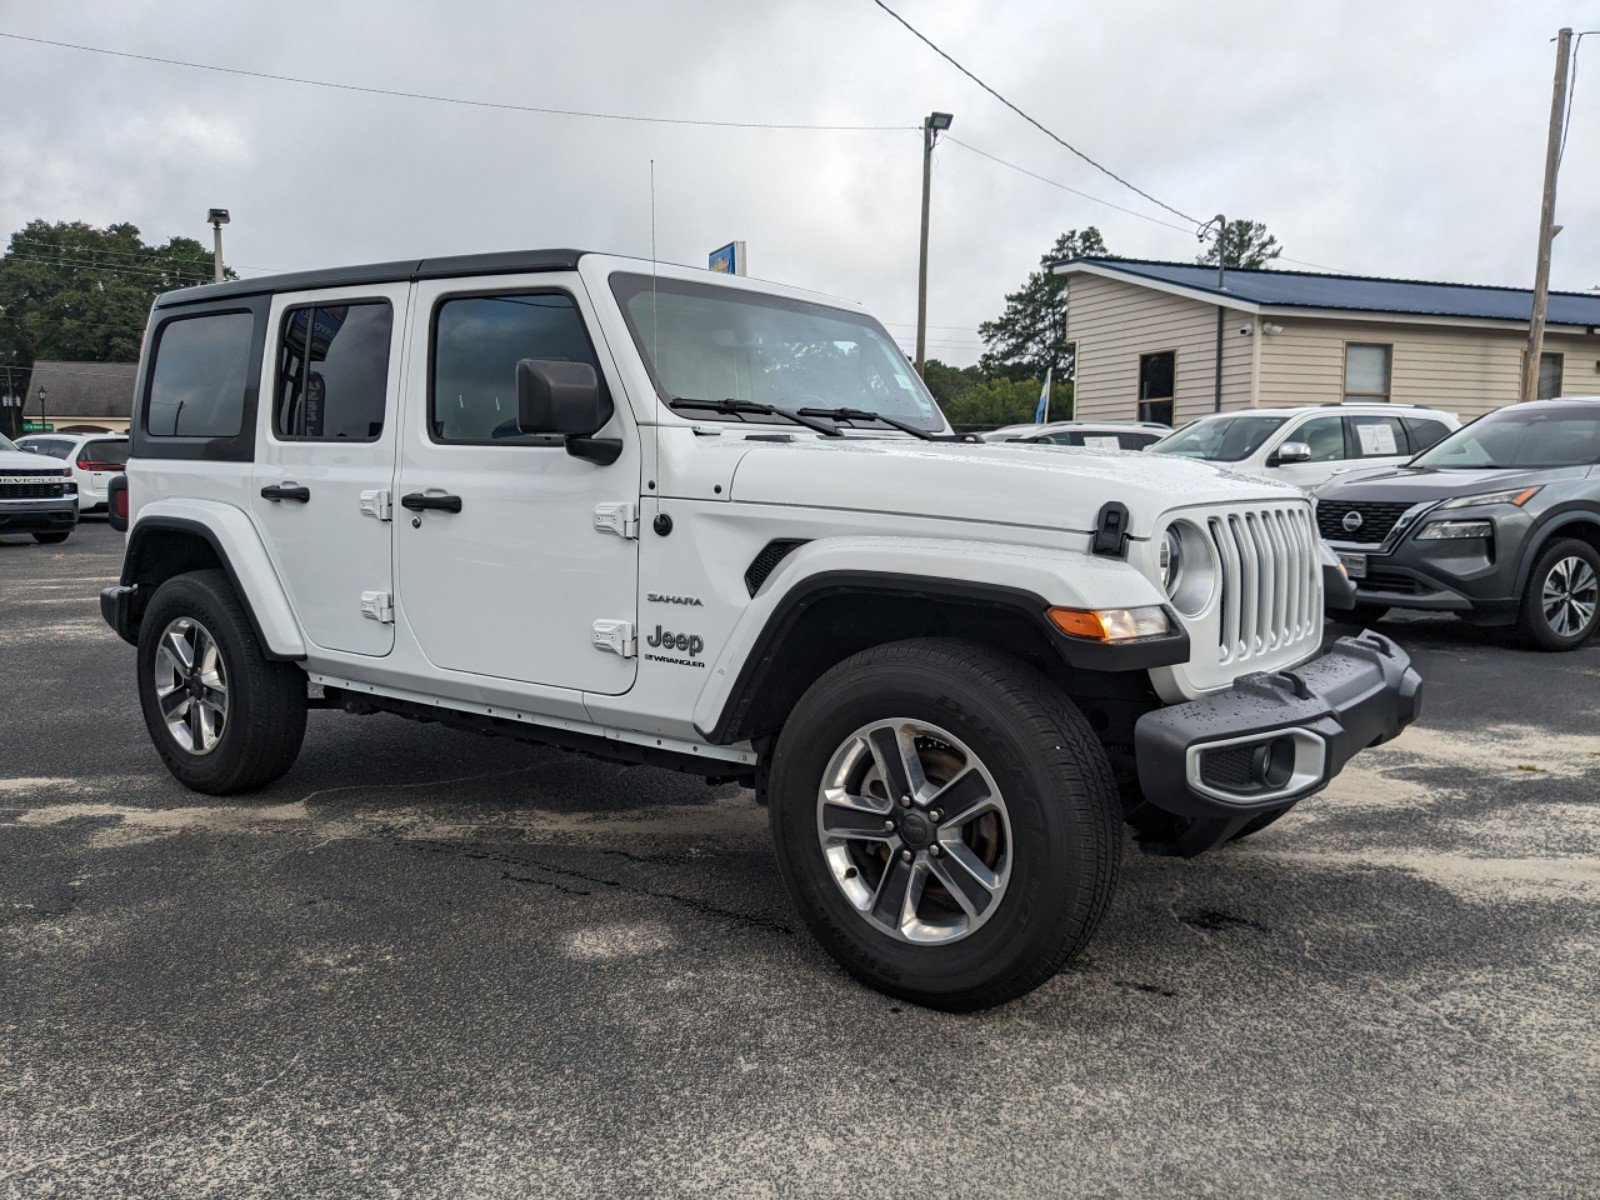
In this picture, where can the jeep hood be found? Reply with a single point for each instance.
(1008, 483)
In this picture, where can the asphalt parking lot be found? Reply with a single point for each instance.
(426, 963)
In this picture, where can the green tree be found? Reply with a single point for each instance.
(1030, 336)
(947, 382)
(71, 292)
(1001, 401)
(1245, 243)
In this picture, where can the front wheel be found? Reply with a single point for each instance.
(223, 716)
(946, 822)
(1561, 603)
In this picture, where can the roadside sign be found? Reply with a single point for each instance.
(729, 260)
(38, 427)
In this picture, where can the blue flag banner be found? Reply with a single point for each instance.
(1043, 411)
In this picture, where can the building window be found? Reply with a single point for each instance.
(1366, 372)
(1156, 375)
(1549, 376)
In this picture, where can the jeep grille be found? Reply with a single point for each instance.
(1271, 577)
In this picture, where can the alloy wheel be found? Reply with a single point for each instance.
(1570, 596)
(191, 685)
(914, 831)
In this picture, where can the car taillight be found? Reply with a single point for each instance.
(119, 503)
(94, 464)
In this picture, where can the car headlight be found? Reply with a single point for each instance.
(1517, 496)
(1440, 531)
(1169, 560)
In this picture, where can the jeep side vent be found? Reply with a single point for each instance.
(764, 563)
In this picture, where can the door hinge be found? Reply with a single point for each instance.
(617, 637)
(378, 606)
(620, 518)
(376, 503)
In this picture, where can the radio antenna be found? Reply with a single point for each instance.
(655, 342)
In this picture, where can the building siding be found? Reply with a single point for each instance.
(1114, 323)
(1468, 371)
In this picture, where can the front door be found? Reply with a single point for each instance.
(325, 454)
(503, 571)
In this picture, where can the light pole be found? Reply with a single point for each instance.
(932, 127)
(43, 424)
(1221, 222)
(218, 218)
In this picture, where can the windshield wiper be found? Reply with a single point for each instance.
(755, 408)
(861, 414)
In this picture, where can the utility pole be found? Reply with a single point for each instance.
(218, 218)
(1222, 286)
(1547, 222)
(932, 126)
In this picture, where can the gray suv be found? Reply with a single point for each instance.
(1499, 523)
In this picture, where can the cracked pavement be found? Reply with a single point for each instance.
(426, 963)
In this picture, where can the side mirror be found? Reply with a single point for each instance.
(568, 399)
(1291, 452)
(29, 449)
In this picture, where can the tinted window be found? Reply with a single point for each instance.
(1522, 438)
(113, 452)
(477, 343)
(1325, 436)
(1377, 437)
(54, 447)
(1220, 439)
(340, 394)
(1425, 433)
(197, 386)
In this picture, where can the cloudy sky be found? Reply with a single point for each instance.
(1372, 137)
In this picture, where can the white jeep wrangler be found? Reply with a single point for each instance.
(669, 517)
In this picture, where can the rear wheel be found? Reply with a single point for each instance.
(223, 716)
(52, 539)
(946, 822)
(1561, 602)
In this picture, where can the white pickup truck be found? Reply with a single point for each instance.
(669, 517)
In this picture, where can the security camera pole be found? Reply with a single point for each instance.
(1547, 222)
(218, 218)
(935, 124)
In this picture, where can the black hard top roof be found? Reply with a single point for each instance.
(454, 266)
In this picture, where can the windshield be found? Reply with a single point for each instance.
(1521, 439)
(705, 342)
(1220, 439)
(7, 444)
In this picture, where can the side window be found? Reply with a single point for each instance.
(333, 372)
(1378, 437)
(1136, 441)
(1325, 436)
(197, 386)
(477, 343)
(1425, 434)
(54, 447)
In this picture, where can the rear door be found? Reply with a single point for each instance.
(99, 461)
(325, 456)
(505, 572)
(1376, 440)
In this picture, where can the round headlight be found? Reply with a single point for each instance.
(1170, 561)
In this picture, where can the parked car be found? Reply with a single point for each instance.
(665, 516)
(1308, 446)
(37, 495)
(1499, 523)
(95, 459)
(1097, 435)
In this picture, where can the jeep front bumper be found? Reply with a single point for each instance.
(1271, 740)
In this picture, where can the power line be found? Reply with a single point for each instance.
(107, 268)
(524, 108)
(61, 318)
(153, 256)
(1572, 91)
(1057, 138)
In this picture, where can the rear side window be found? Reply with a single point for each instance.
(1425, 434)
(1377, 437)
(197, 385)
(477, 343)
(333, 372)
(54, 447)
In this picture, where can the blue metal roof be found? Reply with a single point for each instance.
(1359, 293)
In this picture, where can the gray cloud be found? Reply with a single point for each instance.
(1375, 138)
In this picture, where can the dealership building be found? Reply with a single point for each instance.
(1148, 342)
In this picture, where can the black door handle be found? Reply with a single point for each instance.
(417, 502)
(295, 492)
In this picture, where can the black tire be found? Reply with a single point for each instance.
(1364, 615)
(1065, 817)
(1534, 623)
(52, 539)
(266, 699)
